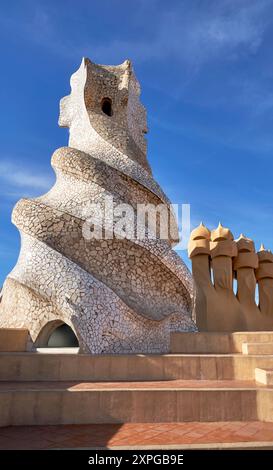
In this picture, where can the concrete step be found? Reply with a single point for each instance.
(216, 343)
(45, 403)
(82, 367)
(257, 348)
(264, 376)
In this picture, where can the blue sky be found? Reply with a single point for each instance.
(206, 70)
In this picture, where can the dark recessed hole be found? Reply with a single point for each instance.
(106, 106)
(63, 337)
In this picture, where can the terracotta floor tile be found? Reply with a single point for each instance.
(158, 440)
(57, 437)
(91, 438)
(148, 434)
(263, 435)
(22, 432)
(66, 444)
(244, 433)
(179, 433)
(124, 442)
(101, 435)
(28, 445)
(5, 443)
(114, 439)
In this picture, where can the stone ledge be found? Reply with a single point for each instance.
(218, 343)
(26, 366)
(13, 339)
(46, 407)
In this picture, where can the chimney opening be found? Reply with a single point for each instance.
(106, 106)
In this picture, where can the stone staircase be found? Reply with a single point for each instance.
(205, 378)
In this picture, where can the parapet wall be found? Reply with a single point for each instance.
(218, 261)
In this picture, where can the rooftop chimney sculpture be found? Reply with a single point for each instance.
(218, 260)
(118, 294)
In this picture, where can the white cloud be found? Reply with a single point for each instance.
(191, 31)
(13, 177)
(197, 33)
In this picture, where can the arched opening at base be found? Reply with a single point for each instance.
(57, 334)
(63, 337)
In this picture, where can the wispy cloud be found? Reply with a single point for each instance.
(192, 32)
(15, 181)
(198, 32)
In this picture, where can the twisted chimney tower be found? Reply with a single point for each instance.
(118, 294)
